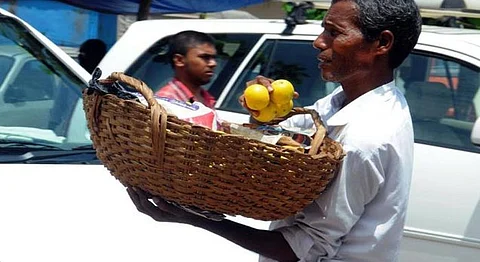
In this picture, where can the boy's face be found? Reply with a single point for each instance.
(199, 63)
(344, 53)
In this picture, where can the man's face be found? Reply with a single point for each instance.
(200, 63)
(344, 54)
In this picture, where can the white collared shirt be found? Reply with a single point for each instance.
(360, 217)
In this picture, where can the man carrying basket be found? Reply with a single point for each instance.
(360, 217)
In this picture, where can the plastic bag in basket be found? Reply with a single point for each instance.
(195, 113)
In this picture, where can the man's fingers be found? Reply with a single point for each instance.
(140, 192)
(160, 202)
(178, 213)
(166, 207)
(254, 112)
(242, 102)
(141, 200)
(160, 210)
(135, 199)
(265, 81)
(251, 82)
(133, 195)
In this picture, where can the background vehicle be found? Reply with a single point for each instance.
(440, 80)
(57, 202)
(39, 91)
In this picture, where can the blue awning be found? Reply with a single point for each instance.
(162, 6)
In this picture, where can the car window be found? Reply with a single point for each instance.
(154, 69)
(444, 99)
(5, 65)
(31, 83)
(38, 93)
(276, 60)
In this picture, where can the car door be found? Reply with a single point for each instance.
(443, 94)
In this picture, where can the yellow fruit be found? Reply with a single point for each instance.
(267, 114)
(282, 91)
(284, 109)
(256, 97)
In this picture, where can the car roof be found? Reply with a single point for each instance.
(276, 26)
(269, 25)
(471, 36)
(224, 25)
(143, 34)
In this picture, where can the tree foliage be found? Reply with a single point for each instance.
(447, 21)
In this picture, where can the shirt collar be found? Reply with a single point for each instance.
(183, 88)
(209, 99)
(359, 105)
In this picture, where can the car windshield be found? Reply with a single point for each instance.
(40, 97)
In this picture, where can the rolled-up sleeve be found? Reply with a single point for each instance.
(298, 239)
(317, 231)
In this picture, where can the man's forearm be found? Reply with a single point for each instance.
(267, 243)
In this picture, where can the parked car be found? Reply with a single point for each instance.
(440, 80)
(57, 202)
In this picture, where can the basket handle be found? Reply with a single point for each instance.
(319, 134)
(157, 112)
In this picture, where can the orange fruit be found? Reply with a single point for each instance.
(284, 109)
(282, 91)
(256, 97)
(267, 114)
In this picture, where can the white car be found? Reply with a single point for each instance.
(58, 203)
(440, 80)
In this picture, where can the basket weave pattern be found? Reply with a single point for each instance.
(191, 165)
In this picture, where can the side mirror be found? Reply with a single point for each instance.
(476, 133)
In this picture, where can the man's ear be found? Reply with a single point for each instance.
(178, 60)
(385, 42)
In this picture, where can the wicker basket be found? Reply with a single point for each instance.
(194, 166)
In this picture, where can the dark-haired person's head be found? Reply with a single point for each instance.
(91, 53)
(366, 40)
(180, 43)
(192, 54)
(401, 17)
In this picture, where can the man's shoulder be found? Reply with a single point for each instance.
(383, 121)
(166, 87)
(167, 90)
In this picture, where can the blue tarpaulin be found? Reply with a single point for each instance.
(162, 6)
(70, 22)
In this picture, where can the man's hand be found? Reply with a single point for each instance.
(267, 243)
(159, 210)
(265, 81)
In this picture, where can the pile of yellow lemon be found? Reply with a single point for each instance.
(270, 105)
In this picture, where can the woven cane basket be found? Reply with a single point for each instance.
(192, 165)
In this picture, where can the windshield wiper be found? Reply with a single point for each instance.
(83, 147)
(26, 144)
(53, 157)
(31, 152)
